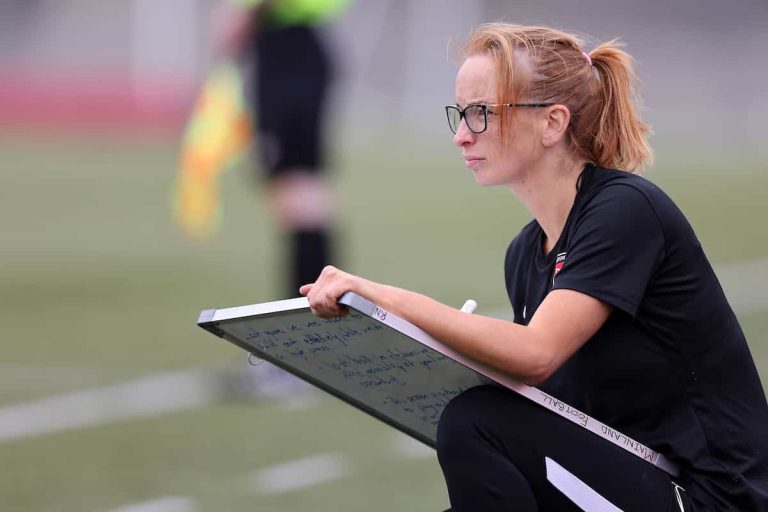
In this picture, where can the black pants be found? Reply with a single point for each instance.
(501, 452)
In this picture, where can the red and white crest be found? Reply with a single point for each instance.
(559, 262)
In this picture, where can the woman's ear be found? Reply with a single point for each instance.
(557, 121)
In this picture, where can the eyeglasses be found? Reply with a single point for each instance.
(476, 116)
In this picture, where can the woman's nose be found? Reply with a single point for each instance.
(463, 134)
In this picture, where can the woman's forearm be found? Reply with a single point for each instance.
(562, 323)
(503, 345)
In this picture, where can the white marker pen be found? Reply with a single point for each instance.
(469, 307)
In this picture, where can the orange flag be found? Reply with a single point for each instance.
(217, 137)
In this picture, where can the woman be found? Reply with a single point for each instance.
(616, 309)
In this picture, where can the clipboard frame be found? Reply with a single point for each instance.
(212, 319)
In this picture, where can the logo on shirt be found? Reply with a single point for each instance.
(559, 262)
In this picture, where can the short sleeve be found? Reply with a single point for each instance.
(616, 244)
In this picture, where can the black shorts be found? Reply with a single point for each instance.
(288, 96)
(500, 451)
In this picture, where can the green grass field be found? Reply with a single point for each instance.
(97, 287)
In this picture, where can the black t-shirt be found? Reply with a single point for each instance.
(670, 367)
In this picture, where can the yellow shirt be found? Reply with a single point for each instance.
(298, 12)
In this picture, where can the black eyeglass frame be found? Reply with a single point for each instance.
(484, 109)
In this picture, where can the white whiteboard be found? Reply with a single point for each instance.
(358, 358)
(383, 365)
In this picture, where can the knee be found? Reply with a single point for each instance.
(302, 199)
(471, 416)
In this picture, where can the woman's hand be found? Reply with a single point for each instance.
(324, 293)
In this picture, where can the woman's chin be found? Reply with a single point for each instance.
(482, 179)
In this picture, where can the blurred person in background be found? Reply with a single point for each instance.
(289, 67)
(280, 43)
(617, 310)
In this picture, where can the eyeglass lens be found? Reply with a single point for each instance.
(474, 115)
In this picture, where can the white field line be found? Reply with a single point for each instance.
(150, 396)
(745, 284)
(164, 504)
(299, 474)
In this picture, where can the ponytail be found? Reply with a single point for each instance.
(620, 135)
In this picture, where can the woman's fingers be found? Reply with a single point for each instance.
(324, 293)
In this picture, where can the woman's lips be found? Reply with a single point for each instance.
(472, 161)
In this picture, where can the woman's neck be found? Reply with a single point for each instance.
(548, 191)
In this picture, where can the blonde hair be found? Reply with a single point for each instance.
(542, 64)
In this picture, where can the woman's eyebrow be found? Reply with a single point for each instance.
(473, 102)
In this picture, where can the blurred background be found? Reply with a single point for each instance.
(110, 396)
